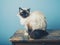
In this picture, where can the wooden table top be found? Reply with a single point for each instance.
(54, 35)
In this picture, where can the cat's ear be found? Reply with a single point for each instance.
(28, 9)
(20, 9)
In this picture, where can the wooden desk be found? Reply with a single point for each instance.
(52, 39)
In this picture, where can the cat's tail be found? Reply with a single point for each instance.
(37, 34)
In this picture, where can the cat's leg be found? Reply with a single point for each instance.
(26, 28)
(29, 29)
(26, 31)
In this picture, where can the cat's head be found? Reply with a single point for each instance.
(24, 12)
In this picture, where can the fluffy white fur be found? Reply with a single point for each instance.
(36, 20)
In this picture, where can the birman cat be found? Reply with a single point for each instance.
(34, 22)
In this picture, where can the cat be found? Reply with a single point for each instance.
(35, 22)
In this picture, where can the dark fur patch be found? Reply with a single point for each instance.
(24, 14)
(37, 34)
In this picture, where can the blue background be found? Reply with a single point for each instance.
(9, 22)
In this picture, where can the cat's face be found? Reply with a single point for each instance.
(24, 12)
